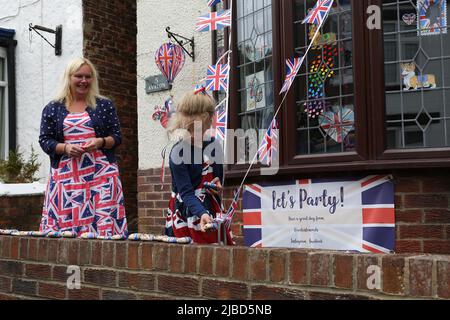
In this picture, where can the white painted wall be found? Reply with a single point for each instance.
(38, 70)
(152, 18)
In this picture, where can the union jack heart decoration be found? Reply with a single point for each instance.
(338, 124)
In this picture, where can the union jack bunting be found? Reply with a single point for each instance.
(212, 3)
(269, 146)
(213, 21)
(317, 14)
(292, 68)
(217, 77)
(232, 210)
(220, 124)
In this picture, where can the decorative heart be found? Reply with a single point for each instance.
(409, 18)
(337, 124)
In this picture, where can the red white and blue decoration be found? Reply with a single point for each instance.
(162, 114)
(292, 68)
(220, 124)
(269, 146)
(337, 124)
(170, 59)
(217, 77)
(432, 17)
(318, 14)
(351, 214)
(212, 3)
(213, 21)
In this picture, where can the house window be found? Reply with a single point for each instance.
(4, 136)
(364, 98)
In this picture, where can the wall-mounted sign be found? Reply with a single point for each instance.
(156, 84)
(350, 214)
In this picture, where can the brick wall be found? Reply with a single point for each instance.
(31, 267)
(110, 43)
(21, 212)
(422, 209)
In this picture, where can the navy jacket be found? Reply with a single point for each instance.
(187, 175)
(104, 120)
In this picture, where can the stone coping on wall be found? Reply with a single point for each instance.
(37, 268)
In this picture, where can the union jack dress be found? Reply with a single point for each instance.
(182, 223)
(84, 194)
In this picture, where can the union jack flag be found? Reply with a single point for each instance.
(375, 231)
(220, 124)
(269, 145)
(292, 68)
(164, 56)
(212, 3)
(217, 77)
(213, 21)
(317, 14)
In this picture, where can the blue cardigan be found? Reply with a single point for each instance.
(104, 120)
(187, 175)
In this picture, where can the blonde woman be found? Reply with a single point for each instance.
(80, 131)
(195, 161)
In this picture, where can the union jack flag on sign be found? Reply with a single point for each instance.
(292, 68)
(217, 77)
(220, 124)
(212, 3)
(269, 145)
(318, 14)
(213, 21)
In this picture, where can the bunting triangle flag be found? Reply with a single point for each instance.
(213, 21)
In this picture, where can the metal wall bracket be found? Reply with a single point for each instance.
(182, 42)
(58, 36)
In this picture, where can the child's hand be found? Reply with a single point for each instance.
(204, 220)
(218, 188)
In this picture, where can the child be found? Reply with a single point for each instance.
(194, 162)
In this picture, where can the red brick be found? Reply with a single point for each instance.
(59, 273)
(179, 286)
(161, 257)
(420, 277)
(96, 253)
(23, 254)
(224, 290)
(190, 259)
(52, 291)
(84, 294)
(128, 280)
(222, 262)
(33, 249)
(147, 256)
(15, 248)
(117, 295)
(6, 247)
(343, 271)
(85, 249)
(277, 266)
(437, 216)
(399, 201)
(133, 255)
(320, 269)
(425, 201)
(274, 293)
(52, 249)
(176, 259)
(240, 264)
(108, 248)
(393, 273)
(443, 279)
(408, 216)
(68, 251)
(5, 284)
(11, 268)
(298, 263)
(436, 184)
(313, 295)
(362, 275)
(24, 287)
(408, 246)
(43, 248)
(206, 261)
(258, 262)
(38, 271)
(422, 232)
(436, 246)
(106, 278)
(405, 185)
(121, 255)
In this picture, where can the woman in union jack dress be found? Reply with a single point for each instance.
(79, 131)
(195, 163)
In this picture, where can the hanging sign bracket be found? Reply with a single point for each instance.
(182, 42)
(57, 32)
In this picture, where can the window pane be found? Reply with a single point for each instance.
(324, 88)
(254, 29)
(417, 73)
(3, 135)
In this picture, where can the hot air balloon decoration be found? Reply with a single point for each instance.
(170, 59)
(163, 114)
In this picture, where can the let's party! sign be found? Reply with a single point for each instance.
(352, 214)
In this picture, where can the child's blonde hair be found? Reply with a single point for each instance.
(193, 107)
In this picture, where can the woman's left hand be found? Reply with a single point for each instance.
(218, 189)
(93, 145)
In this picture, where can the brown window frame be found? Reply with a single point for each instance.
(370, 108)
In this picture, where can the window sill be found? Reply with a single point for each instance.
(22, 189)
